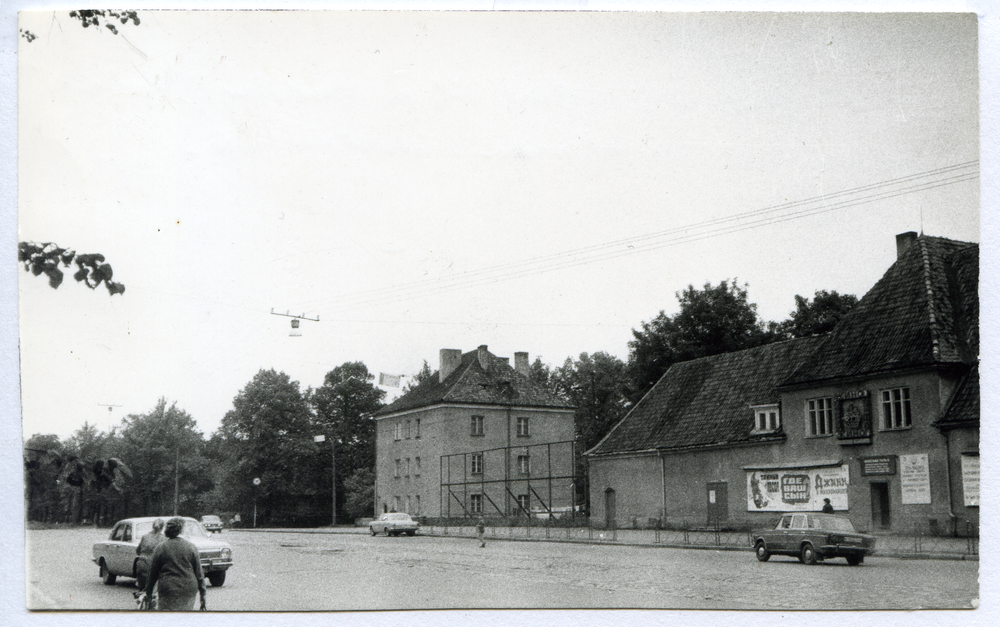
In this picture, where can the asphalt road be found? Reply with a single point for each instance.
(354, 571)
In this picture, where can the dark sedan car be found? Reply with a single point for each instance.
(814, 537)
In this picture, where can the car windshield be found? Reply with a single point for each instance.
(398, 517)
(836, 523)
(210, 519)
(193, 529)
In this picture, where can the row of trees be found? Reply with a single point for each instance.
(159, 462)
(164, 464)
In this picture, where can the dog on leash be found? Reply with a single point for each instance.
(142, 602)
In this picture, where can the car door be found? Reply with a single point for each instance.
(798, 532)
(124, 551)
(780, 534)
(112, 550)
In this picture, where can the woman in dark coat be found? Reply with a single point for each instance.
(176, 567)
(147, 545)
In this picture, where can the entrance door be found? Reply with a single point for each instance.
(880, 506)
(718, 503)
(609, 508)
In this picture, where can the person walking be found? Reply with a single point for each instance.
(481, 532)
(147, 545)
(827, 508)
(176, 567)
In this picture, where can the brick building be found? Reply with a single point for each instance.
(478, 437)
(880, 415)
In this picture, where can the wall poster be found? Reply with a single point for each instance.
(799, 489)
(915, 479)
(970, 480)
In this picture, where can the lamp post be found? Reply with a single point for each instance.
(256, 485)
(333, 477)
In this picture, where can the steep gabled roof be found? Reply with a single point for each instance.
(708, 401)
(923, 311)
(963, 410)
(470, 383)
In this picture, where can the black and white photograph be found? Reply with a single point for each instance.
(368, 311)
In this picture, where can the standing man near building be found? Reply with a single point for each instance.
(827, 508)
(481, 532)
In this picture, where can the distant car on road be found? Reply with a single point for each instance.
(212, 524)
(116, 556)
(393, 524)
(814, 537)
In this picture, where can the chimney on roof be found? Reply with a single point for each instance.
(484, 357)
(904, 241)
(521, 363)
(451, 358)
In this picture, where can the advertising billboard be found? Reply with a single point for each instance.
(797, 490)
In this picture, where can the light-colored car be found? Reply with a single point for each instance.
(212, 524)
(814, 537)
(393, 524)
(116, 556)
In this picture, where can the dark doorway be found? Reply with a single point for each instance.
(609, 508)
(880, 506)
(718, 503)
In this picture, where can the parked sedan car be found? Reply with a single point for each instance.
(212, 524)
(393, 524)
(116, 556)
(814, 537)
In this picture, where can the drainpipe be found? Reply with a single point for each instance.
(952, 519)
(663, 481)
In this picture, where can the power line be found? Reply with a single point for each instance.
(684, 234)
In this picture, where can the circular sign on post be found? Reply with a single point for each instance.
(256, 481)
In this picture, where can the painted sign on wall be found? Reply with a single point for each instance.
(800, 489)
(915, 479)
(970, 480)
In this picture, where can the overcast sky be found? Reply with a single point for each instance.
(527, 174)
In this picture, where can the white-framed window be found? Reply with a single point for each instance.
(407, 429)
(766, 418)
(397, 504)
(523, 464)
(896, 409)
(407, 467)
(416, 509)
(522, 502)
(398, 466)
(819, 416)
(477, 425)
(522, 427)
(476, 465)
(417, 436)
(397, 431)
(476, 503)
(417, 473)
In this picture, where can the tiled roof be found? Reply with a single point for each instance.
(469, 383)
(708, 401)
(923, 311)
(963, 411)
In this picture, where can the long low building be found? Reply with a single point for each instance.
(880, 416)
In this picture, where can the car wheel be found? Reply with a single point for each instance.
(372, 529)
(854, 560)
(106, 576)
(217, 578)
(411, 533)
(809, 556)
(387, 534)
(762, 553)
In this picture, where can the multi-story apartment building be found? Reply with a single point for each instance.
(477, 438)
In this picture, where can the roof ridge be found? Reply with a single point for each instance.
(934, 327)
